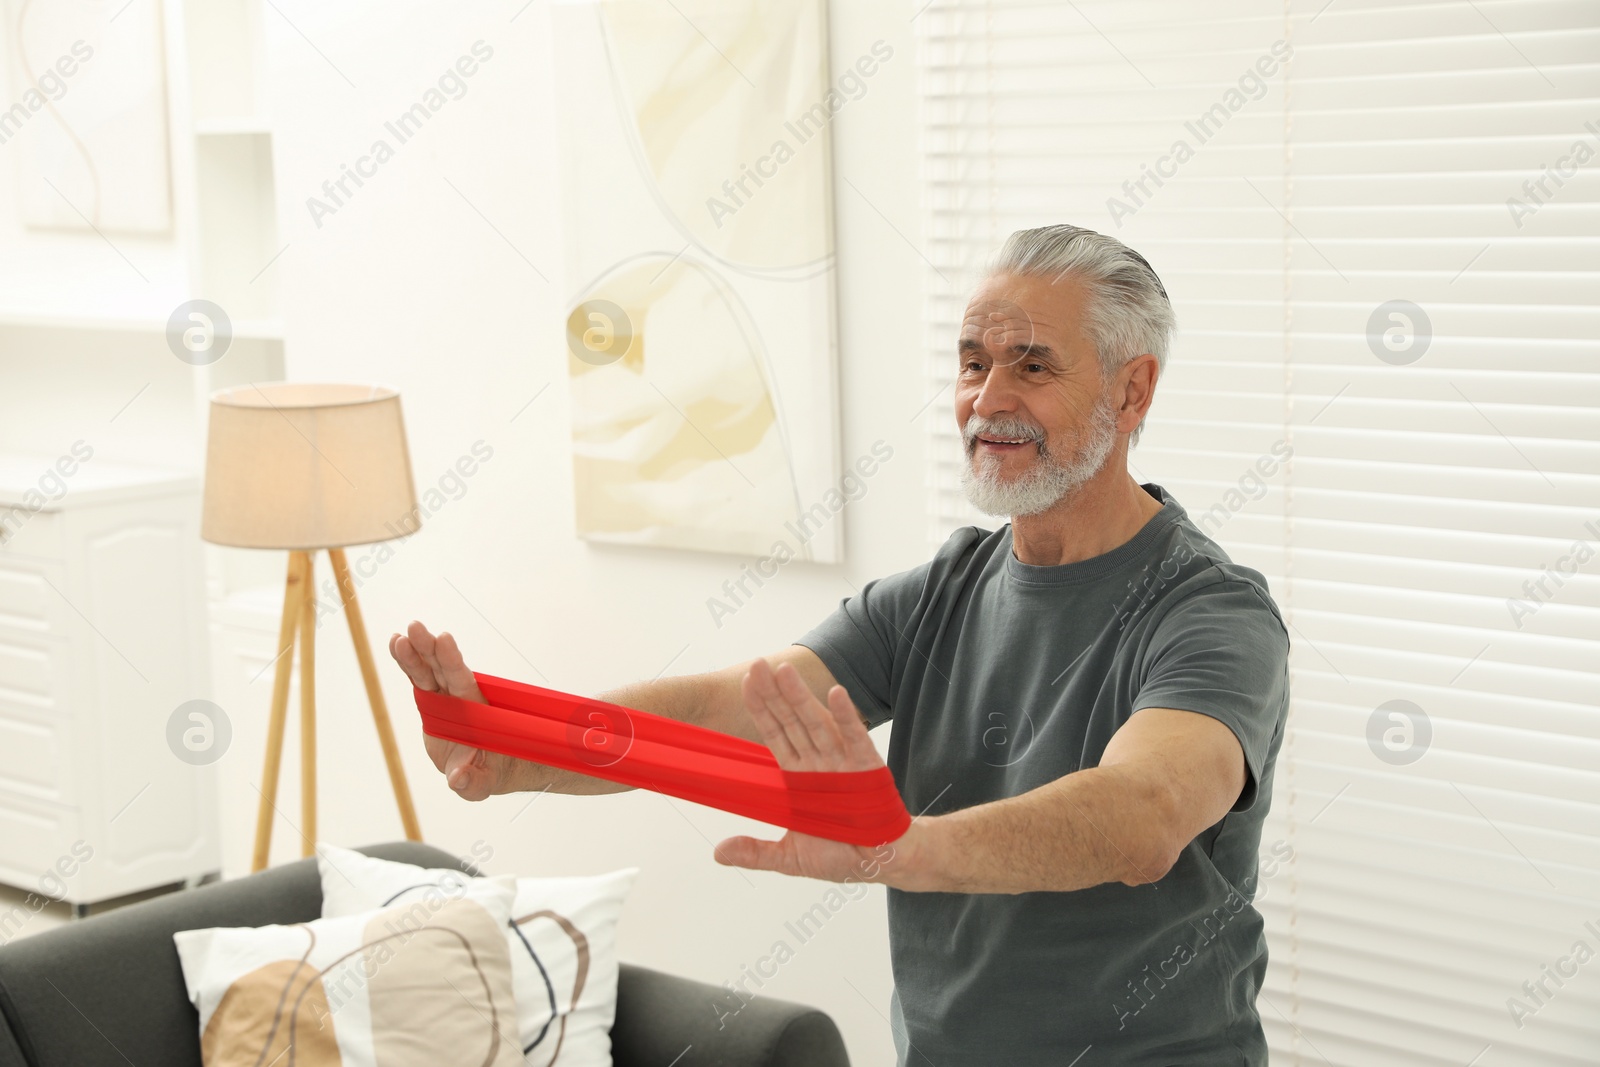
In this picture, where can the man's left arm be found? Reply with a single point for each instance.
(1166, 775)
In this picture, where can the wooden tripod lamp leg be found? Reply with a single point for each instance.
(308, 715)
(293, 593)
(380, 711)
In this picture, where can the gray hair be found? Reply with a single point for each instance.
(1129, 313)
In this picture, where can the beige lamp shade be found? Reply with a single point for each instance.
(307, 465)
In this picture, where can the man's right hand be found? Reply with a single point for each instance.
(435, 664)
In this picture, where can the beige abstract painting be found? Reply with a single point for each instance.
(697, 207)
(88, 110)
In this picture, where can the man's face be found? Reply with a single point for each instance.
(1029, 373)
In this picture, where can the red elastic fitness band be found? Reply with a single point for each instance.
(667, 756)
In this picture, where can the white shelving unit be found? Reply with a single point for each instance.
(102, 641)
(233, 239)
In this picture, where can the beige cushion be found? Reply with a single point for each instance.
(423, 982)
(562, 941)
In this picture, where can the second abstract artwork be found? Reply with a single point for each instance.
(701, 349)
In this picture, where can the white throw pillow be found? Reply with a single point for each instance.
(561, 938)
(424, 982)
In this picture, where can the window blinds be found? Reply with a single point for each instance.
(1385, 395)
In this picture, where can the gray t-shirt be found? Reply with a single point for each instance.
(1001, 676)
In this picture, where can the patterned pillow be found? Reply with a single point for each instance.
(423, 982)
(562, 938)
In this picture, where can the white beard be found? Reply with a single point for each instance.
(1047, 480)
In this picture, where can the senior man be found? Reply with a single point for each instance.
(1087, 705)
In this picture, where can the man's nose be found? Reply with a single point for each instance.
(997, 394)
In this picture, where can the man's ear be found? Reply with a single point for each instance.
(1136, 390)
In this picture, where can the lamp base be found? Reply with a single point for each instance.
(299, 618)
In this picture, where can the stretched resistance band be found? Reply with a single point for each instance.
(667, 756)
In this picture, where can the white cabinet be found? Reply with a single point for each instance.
(102, 637)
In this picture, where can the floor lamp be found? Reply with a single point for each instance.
(305, 466)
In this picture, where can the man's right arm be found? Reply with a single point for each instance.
(714, 699)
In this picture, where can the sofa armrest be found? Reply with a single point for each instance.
(10, 1052)
(659, 1015)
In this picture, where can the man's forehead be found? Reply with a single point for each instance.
(999, 311)
(1000, 321)
(1009, 305)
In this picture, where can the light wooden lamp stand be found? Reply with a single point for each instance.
(299, 614)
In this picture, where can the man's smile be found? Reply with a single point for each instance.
(1003, 444)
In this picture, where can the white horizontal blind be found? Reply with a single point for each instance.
(1435, 537)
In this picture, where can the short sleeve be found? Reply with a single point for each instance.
(859, 640)
(1223, 651)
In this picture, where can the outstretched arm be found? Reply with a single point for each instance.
(713, 700)
(1165, 776)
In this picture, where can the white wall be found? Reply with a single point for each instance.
(408, 285)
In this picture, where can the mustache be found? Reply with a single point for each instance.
(977, 427)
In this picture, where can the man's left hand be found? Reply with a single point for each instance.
(806, 735)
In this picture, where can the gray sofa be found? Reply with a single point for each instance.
(107, 991)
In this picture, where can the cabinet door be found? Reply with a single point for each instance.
(138, 583)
